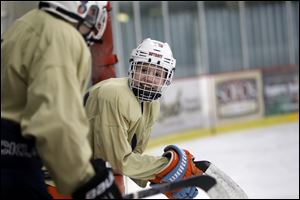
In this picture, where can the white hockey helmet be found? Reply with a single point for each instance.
(93, 14)
(152, 59)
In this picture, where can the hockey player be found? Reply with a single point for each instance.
(122, 112)
(45, 68)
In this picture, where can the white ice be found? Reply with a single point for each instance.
(263, 161)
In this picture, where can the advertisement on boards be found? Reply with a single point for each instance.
(183, 107)
(238, 96)
(281, 90)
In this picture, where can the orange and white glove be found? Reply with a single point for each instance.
(180, 166)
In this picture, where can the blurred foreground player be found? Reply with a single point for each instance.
(45, 68)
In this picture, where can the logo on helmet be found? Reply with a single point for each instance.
(155, 54)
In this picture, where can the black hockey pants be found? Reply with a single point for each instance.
(21, 174)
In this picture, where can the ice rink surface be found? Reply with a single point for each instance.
(263, 161)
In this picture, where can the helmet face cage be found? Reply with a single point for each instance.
(151, 69)
(147, 80)
(92, 14)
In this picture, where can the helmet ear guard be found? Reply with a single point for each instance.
(169, 79)
(130, 69)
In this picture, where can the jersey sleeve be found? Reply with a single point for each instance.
(54, 114)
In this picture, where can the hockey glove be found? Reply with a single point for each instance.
(180, 166)
(101, 186)
(185, 193)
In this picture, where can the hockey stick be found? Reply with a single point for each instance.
(225, 188)
(203, 182)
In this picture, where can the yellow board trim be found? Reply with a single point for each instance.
(198, 133)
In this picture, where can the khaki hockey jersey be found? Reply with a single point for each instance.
(116, 117)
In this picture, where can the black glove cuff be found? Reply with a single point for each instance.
(101, 186)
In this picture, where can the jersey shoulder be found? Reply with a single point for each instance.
(113, 88)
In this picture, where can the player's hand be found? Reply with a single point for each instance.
(101, 186)
(181, 165)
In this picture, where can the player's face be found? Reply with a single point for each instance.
(149, 76)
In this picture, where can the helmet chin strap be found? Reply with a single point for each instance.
(92, 40)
